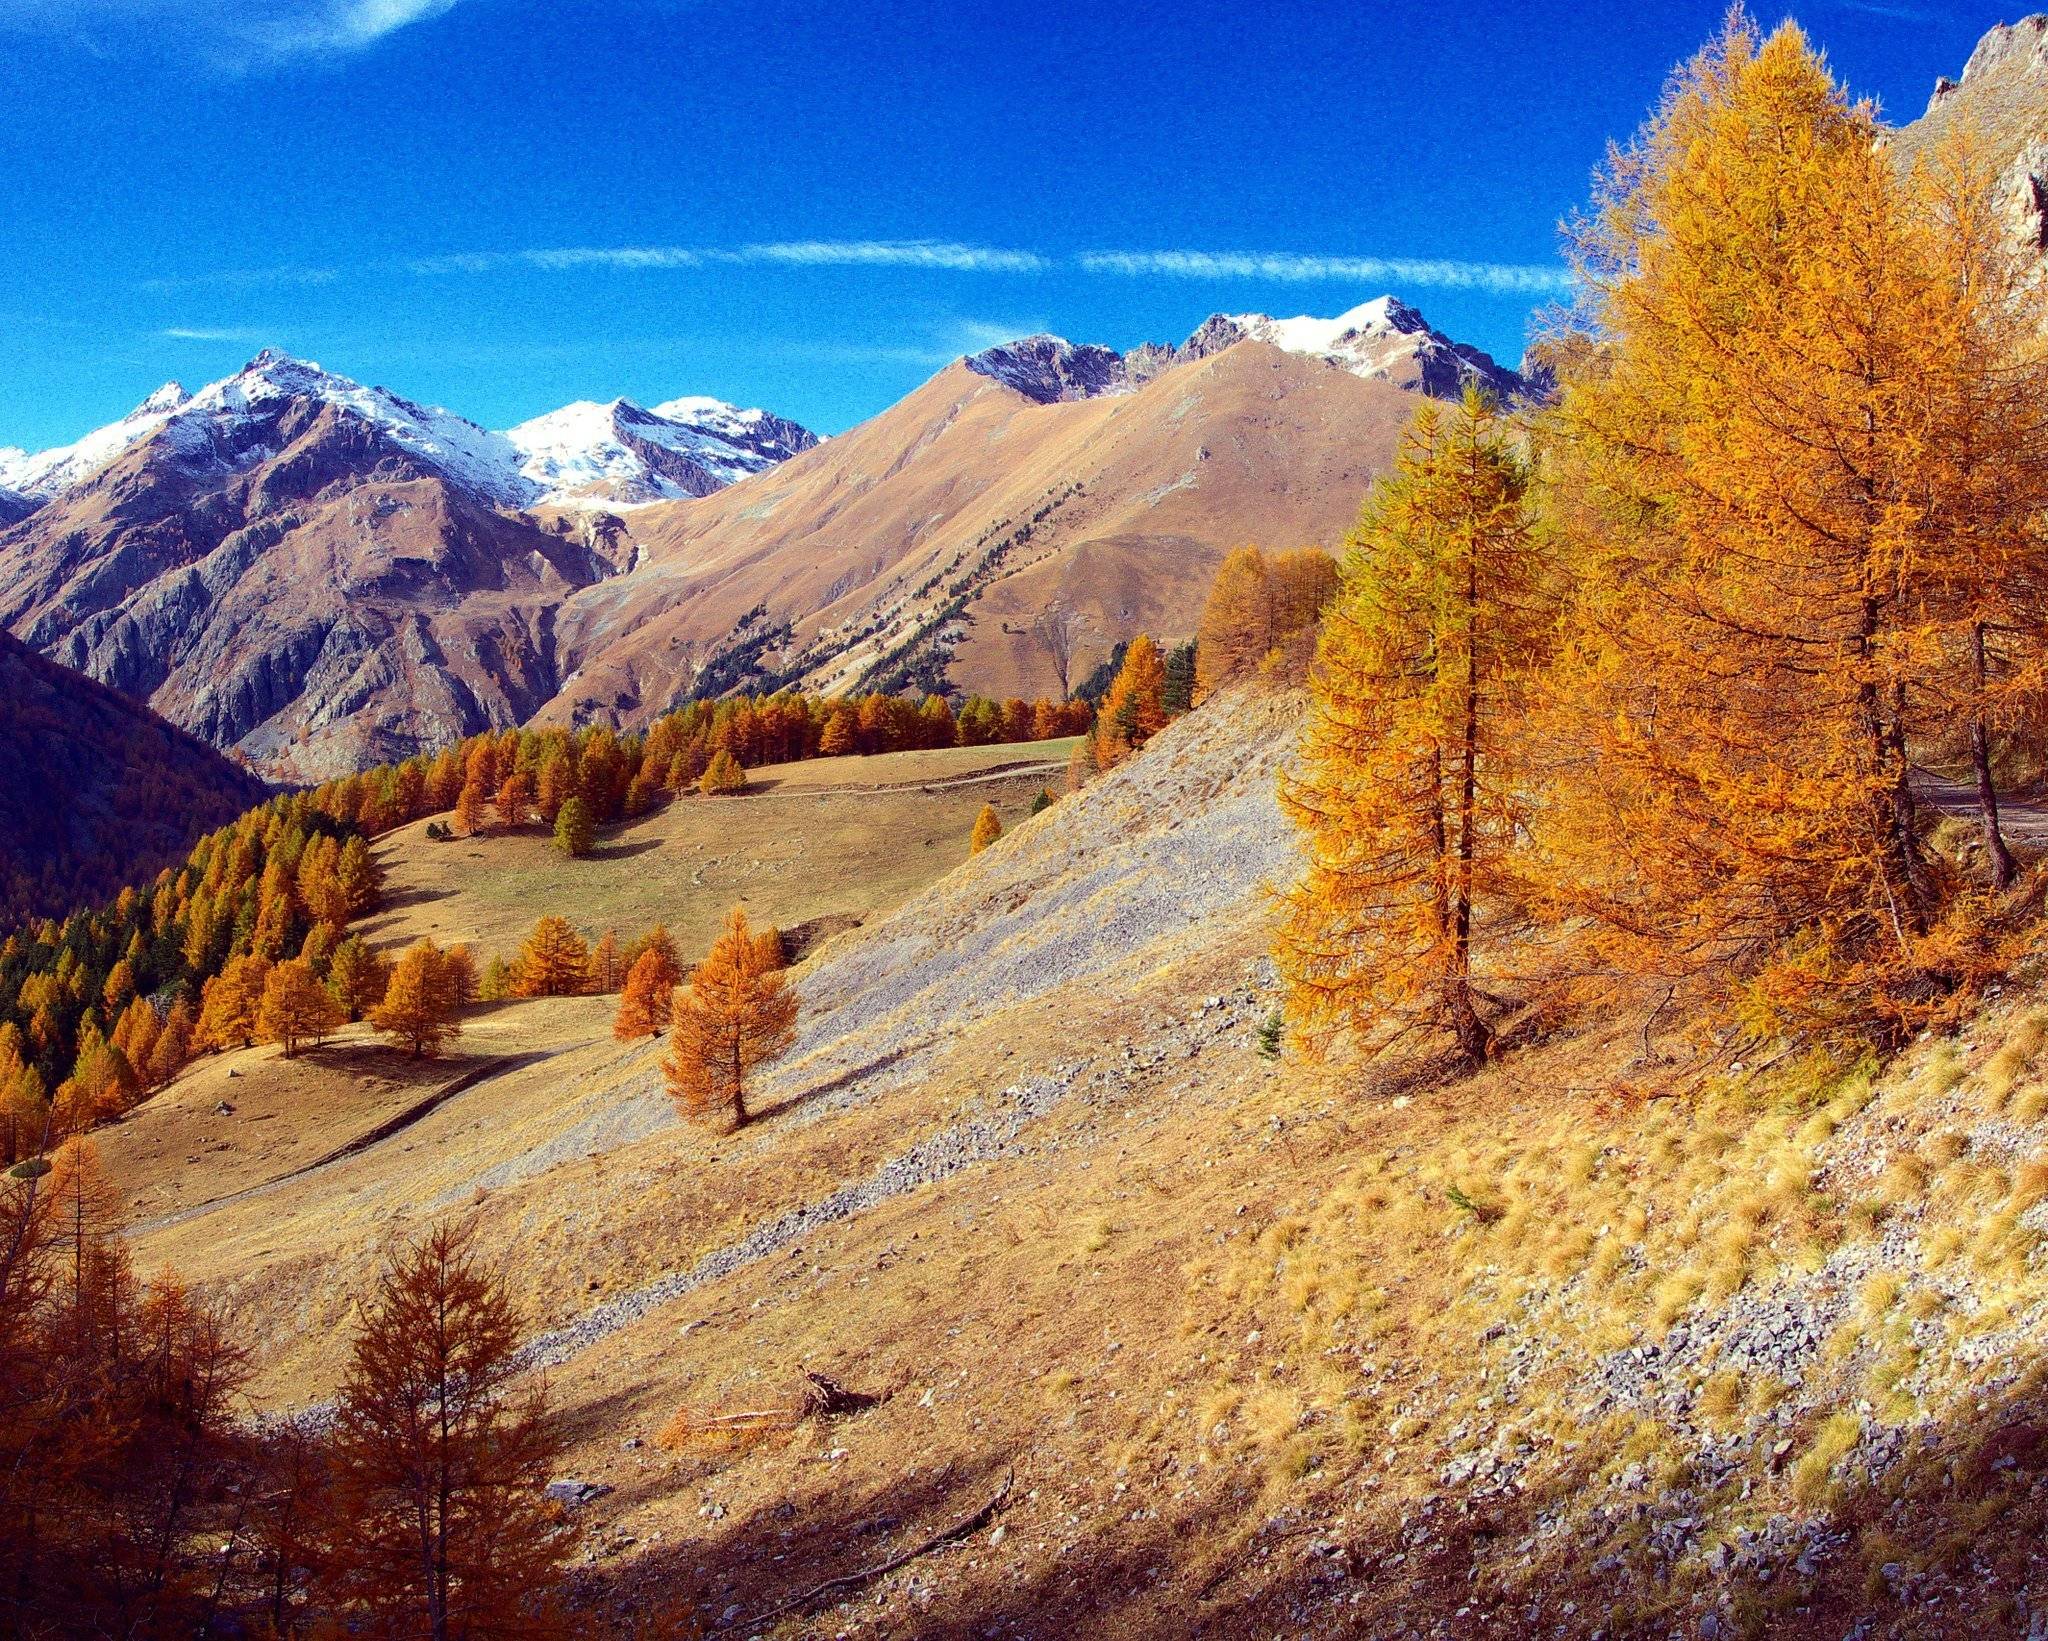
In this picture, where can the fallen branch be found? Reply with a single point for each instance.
(851, 1581)
(820, 1398)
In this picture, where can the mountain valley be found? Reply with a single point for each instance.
(1292, 984)
(321, 576)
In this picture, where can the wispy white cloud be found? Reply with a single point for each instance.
(243, 279)
(891, 253)
(939, 256)
(1504, 277)
(235, 34)
(973, 335)
(205, 333)
(801, 253)
(325, 27)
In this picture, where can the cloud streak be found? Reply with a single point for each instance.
(939, 256)
(204, 333)
(1504, 278)
(946, 255)
(234, 34)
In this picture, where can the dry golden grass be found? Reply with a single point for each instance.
(830, 837)
(1813, 1476)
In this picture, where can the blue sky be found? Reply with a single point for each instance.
(501, 205)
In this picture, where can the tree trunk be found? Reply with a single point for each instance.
(1892, 796)
(1906, 817)
(2003, 867)
(1474, 1040)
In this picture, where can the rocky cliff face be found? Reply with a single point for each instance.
(2002, 99)
(1050, 370)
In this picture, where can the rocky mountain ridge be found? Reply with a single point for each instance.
(320, 575)
(1385, 339)
(583, 454)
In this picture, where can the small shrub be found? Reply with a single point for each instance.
(1270, 1030)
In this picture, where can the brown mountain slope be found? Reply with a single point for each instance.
(312, 595)
(94, 790)
(1588, 1342)
(943, 526)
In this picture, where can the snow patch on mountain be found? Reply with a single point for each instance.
(44, 473)
(620, 454)
(584, 454)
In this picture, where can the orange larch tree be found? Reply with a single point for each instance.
(229, 1001)
(441, 1529)
(1781, 544)
(735, 1013)
(357, 976)
(1409, 798)
(1134, 710)
(417, 1010)
(295, 1007)
(644, 1002)
(554, 961)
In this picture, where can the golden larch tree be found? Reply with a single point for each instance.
(471, 808)
(723, 776)
(735, 1013)
(229, 1001)
(1785, 497)
(553, 962)
(417, 1010)
(1134, 710)
(1409, 800)
(295, 1008)
(1259, 606)
(988, 826)
(357, 976)
(644, 1002)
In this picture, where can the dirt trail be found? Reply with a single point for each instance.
(396, 1124)
(2024, 821)
(1000, 772)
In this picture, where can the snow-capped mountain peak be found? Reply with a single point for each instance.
(44, 473)
(585, 454)
(171, 396)
(621, 454)
(1385, 338)
(473, 456)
